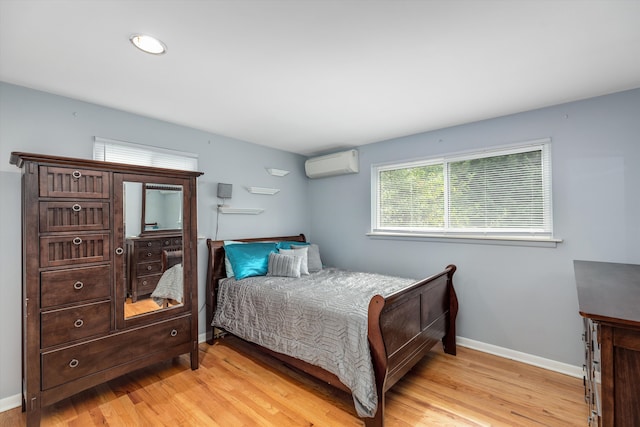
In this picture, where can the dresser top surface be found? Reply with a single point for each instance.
(609, 292)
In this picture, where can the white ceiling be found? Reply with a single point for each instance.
(311, 76)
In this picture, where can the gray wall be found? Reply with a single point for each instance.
(37, 122)
(517, 297)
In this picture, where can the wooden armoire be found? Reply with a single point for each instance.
(80, 325)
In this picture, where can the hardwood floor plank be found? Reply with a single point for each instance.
(236, 386)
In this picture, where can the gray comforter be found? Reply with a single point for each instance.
(320, 318)
(169, 286)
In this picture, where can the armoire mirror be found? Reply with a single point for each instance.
(153, 232)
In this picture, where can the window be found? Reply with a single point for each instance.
(109, 150)
(501, 193)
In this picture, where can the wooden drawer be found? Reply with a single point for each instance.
(74, 216)
(148, 268)
(159, 243)
(71, 363)
(148, 244)
(74, 249)
(146, 284)
(171, 241)
(74, 285)
(150, 254)
(69, 324)
(73, 183)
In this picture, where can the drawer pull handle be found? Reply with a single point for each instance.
(76, 174)
(144, 283)
(174, 332)
(119, 251)
(76, 208)
(78, 285)
(78, 323)
(148, 243)
(149, 254)
(149, 268)
(166, 242)
(77, 241)
(74, 363)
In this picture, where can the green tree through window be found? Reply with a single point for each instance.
(506, 191)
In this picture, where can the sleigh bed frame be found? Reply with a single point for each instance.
(403, 327)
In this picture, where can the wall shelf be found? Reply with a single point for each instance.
(277, 172)
(263, 190)
(244, 211)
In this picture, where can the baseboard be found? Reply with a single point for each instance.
(10, 402)
(202, 338)
(529, 359)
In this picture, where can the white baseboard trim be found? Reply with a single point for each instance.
(10, 402)
(529, 359)
(202, 338)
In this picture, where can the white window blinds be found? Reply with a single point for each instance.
(143, 155)
(497, 192)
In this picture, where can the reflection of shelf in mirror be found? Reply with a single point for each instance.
(277, 172)
(246, 211)
(263, 190)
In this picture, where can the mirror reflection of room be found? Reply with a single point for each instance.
(153, 231)
(162, 207)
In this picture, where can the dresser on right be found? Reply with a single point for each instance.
(609, 301)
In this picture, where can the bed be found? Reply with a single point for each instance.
(169, 289)
(401, 323)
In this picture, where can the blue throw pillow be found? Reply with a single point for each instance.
(287, 245)
(250, 259)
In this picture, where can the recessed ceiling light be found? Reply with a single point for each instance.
(148, 44)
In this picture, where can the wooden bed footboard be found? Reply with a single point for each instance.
(402, 329)
(405, 326)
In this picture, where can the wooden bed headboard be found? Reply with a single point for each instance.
(216, 270)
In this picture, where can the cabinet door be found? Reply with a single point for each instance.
(626, 366)
(155, 290)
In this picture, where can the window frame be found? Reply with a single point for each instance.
(534, 237)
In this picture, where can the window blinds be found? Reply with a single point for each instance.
(143, 155)
(503, 191)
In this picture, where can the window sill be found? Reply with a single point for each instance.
(540, 242)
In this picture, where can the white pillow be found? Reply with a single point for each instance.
(314, 263)
(301, 252)
(283, 265)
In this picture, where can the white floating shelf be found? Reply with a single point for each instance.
(277, 172)
(263, 190)
(245, 211)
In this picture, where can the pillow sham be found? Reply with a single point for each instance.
(287, 245)
(227, 264)
(314, 263)
(301, 252)
(250, 259)
(283, 265)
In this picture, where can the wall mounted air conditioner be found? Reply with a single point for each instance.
(332, 164)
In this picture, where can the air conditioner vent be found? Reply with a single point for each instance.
(332, 164)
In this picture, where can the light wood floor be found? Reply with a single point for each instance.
(237, 387)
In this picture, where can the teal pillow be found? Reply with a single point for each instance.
(250, 259)
(227, 263)
(287, 245)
